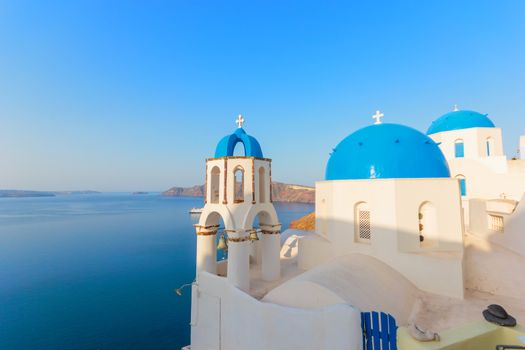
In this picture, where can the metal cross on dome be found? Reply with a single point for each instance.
(456, 108)
(378, 117)
(239, 121)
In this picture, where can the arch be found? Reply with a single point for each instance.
(239, 149)
(212, 217)
(268, 215)
(215, 176)
(226, 146)
(262, 185)
(489, 143)
(459, 148)
(362, 223)
(428, 232)
(238, 181)
(462, 184)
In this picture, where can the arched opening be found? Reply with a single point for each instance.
(265, 242)
(262, 185)
(215, 185)
(238, 175)
(459, 148)
(209, 232)
(462, 184)
(428, 233)
(362, 223)
(239, 150)
(490, 146)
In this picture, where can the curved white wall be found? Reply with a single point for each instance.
(224, 317)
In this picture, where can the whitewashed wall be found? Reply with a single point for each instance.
(394, 205)
(474, 140)
(224, 317)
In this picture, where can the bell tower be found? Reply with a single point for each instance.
(238, 191)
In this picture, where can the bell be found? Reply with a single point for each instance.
(222, 243)
(253, 235)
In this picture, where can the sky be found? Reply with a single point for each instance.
(134, 95)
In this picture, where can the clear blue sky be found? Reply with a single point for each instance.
(134, 95)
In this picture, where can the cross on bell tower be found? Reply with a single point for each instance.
(378, 117)
(239, 121)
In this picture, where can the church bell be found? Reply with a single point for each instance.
(223, 245)
(253, 235)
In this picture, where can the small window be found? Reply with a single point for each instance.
(496, 223)
(239, 185)
(428, 234)
(490, 146)
(459, 149)
(363, 230)
(462, 185)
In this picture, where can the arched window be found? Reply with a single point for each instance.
(362, 229)
(239, 185)
(262, 185)
(428, 233)
(459, 148)
(462, 184)
(490, 146)
(215, 184)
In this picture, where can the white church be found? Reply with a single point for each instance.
(412, 233)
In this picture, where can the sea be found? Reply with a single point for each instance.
(98, 271)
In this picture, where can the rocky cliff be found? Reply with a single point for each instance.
(306, 223)
(280, 192)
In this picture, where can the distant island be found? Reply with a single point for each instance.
(24, 193)
(281, 192)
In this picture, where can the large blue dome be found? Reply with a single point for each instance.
(386, 151)
(227, 144)
(457, 120)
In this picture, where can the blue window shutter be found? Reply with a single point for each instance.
(463, 186)
(460, 149)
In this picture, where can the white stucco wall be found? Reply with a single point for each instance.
(224, 317)
(513, 236)
(474, 140)
(483, 182)
(394, 205)
(486, 176)
(355, 279)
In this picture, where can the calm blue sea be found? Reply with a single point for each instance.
(98, 271)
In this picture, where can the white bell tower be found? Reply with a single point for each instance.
(238, 191)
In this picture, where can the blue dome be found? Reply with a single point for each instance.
(457, 120)
(227, 144)
(386, 151)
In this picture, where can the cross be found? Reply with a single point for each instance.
(378, 117)
(239, 121)
(456, 108)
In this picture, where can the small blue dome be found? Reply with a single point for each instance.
(227, 144)
(386, 151)
(457, 120)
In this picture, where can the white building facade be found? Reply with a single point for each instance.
(388, 194)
